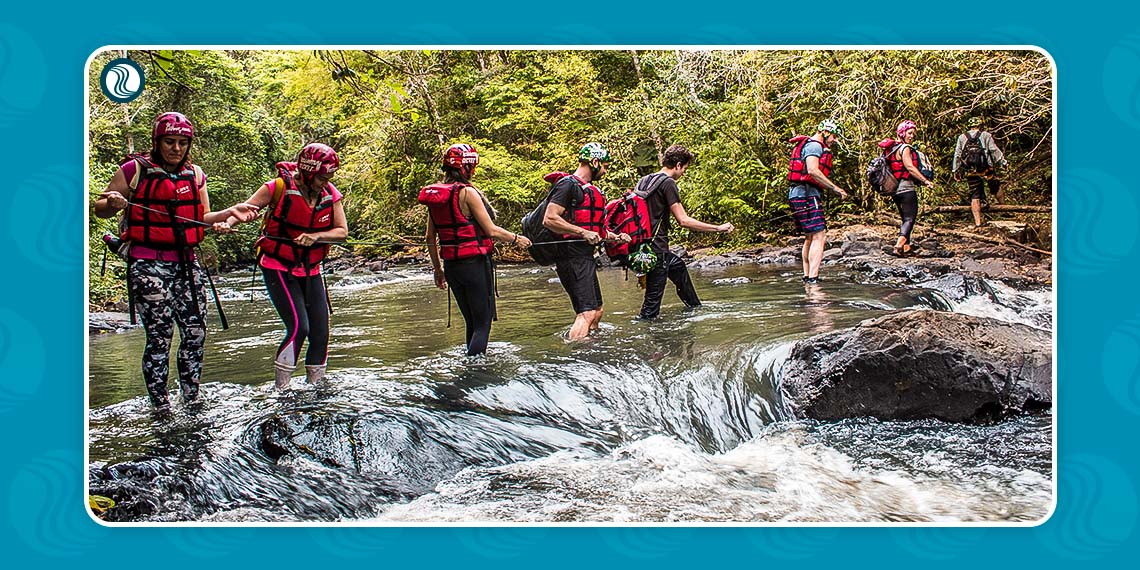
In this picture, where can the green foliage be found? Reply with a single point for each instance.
(390, 114)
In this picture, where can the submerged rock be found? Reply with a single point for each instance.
(110, 322)
(732, 281)
(921, 364)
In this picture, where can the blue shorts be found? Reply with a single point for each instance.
(808, 214)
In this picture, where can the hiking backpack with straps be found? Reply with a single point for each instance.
(545, 249)
(974, 155)
(630, 214)
(879, 176)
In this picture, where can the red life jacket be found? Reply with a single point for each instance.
(589, 213)
(291, 217)
(459, 237)
(172, 194)
(797, 166)
(893, 153)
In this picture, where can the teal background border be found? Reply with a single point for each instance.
(42, 56)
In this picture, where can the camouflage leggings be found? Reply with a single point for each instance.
(164, 296)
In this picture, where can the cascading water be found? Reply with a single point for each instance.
(677, 419)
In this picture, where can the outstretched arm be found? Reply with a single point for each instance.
(691, 223)
(474, 203)
(260, 198)
(113, 199)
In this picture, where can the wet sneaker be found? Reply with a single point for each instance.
(314, 373)
(282, 374)
(189, 393)
(811, 280)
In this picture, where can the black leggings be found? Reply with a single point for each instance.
(304, 308)
(471, 281)
(672, 268)
(908, 211)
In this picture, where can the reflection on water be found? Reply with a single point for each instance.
(406, 427)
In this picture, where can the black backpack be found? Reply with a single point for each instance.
(973, 155)
(880, 178)
(545, 251)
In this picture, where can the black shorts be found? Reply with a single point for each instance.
(977, 184)
(579, 277)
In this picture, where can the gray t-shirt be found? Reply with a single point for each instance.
(803, 189)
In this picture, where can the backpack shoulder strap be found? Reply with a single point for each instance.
(654, 184)
(973, 138)
(199, 177)
(278, 193)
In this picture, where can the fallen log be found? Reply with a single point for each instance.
(988, 239)
(993, 208)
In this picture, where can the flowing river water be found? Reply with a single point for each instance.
(679, 419)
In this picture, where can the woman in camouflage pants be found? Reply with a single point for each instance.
(166, 216)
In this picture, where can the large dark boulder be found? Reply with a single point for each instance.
(921, 364)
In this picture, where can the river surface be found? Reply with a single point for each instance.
(679, 419)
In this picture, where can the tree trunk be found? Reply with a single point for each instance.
(645, 101)
(987, 239)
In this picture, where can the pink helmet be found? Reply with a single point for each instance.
(171, 124)
(463, 157)
(904, 127)
(317, 158)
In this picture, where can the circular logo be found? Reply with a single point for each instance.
(122, 80)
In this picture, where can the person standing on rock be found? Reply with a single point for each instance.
(808, 171)
(977, 155)
(903, 161)
(304, 215)
(663, 200)
(169, 210)
(461, 230)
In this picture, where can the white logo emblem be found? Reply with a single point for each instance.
(122, 80)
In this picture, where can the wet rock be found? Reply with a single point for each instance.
(246, 515)
(832, 254)
(554, 281)
(377, 444)
(110, 322)
(716, 261)
(861, 247)
(921, 364)
(779, 255)
(140, 489)
(377, 266)
(732, 281)
(958, 287)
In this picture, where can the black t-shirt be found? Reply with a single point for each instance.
(567, 193)
(659, 201)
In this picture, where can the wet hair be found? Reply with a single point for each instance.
(676, 155)
(451, 175)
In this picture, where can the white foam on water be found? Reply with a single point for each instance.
(774, 477)
(1031, 308)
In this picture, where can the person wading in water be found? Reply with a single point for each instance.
(305, 214)
(167, 214)
(461, 230)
